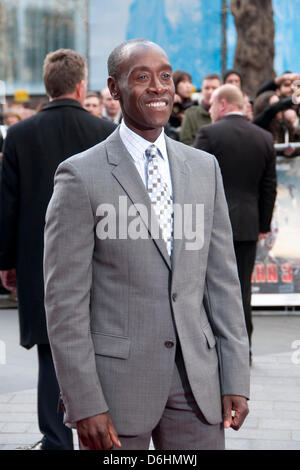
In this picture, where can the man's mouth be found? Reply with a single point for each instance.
(157, 104)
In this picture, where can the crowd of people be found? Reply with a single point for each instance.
(272, 108)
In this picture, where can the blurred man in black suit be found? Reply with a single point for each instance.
(246, 156)
(32, 152)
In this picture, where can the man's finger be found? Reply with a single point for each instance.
(240, 407)
(97, 441)
(85, 441)
(238, 419)
(114, 435)
(227, 409)
(106, 442)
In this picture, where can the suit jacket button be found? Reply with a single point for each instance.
(169, 344)
(174, 297)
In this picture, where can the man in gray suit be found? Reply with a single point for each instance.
(145, 319)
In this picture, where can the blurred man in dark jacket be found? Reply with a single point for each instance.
(246, 156)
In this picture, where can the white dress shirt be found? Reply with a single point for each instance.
(137, 145)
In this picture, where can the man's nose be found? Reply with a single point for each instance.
(156, 86)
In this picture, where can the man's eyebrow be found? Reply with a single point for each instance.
(145, 68)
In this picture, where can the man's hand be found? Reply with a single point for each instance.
(9, 280)
(289, 151)
(286, 76)
(98, 432)
(239, 406)
(262, 236)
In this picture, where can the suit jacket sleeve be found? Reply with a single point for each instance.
(202, 141)
(9, 205)
(69, 244)
(265, 117)
(270, 85)
(223, 303)
(267, 193)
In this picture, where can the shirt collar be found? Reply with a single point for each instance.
(238, 113)
(137, 145)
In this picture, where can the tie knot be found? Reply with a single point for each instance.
(151, 152)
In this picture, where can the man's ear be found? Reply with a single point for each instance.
(80, 91)
(113, 88)
(224, 103)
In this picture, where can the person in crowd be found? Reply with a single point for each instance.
(183, 88)
(269, 113)
(22, 109)
(283, 85)
(292, 116)
(233, 77)
(246, 157)
(41, 105)
(33, 149)
(182, 101)
(198, 116)
(111, 107)
(28, 112)
(93, 103)
(134, 342)
(248, 107)
(10, 117)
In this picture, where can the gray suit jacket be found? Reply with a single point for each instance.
(112, 305)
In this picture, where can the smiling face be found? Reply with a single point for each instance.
(145, 89)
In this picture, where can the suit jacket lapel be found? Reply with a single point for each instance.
(126, 174)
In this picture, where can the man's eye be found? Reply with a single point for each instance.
(166, 76)
(142, 77)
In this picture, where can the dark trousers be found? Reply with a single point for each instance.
(56, 436)
(245, 257)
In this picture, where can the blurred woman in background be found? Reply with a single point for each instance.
(182, 101)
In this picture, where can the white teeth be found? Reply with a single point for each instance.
(156, 104)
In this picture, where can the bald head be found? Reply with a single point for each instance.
(232, 95)
(226, 99)
(122, 52)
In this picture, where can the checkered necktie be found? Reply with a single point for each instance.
(160, 196)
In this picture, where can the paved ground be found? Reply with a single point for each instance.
(274, 419)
